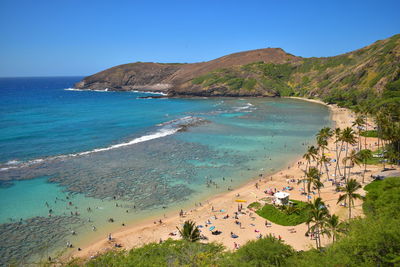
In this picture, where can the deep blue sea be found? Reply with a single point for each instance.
(67, 157)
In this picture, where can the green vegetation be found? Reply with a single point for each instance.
(254, 76)
(372, 186)
(267, 251)
(349, 194)
(367, 78)
(370, 89)
(374, 161)
(283, 217)
(189, 232)
(168, 253)
(383, 198)
(370, 133)
(371, 241)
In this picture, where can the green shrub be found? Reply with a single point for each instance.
(370, 133)
(267, 251)
(168, 253)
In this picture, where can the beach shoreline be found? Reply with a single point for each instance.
(214, 208)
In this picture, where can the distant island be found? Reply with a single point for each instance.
(344, 79)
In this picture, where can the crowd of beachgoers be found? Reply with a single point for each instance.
(227, 219)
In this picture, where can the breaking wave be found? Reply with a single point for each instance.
(107, 90)
(167, 128)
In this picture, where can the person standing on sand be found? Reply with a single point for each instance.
(109, 237)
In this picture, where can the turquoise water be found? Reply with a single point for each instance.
(72, 159)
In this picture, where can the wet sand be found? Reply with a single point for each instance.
(215, 208)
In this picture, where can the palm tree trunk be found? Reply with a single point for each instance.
(345, 163)
(366, 130)
(365, 169)
(304, 181)
(337, 160)
(349, 209)
(327, 170)
(379, 138)
(319, 238)
(348, 174)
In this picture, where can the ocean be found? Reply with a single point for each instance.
(70, 160)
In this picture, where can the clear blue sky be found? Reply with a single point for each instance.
(81, 37)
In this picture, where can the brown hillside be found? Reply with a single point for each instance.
(159, 76)
(266, 55)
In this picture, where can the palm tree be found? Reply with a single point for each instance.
(317, 204)
(348, 138)
(317, 216)
(189, 231)
(364, 155)
(338, 138)
(323, 161)
(392, 135)
(352, 159)
(350, 194)
(322, 138)
(364, 111)
(311, 154)
(290, 209)
(359, 123)
(325, 133)
(380, 120)
(312, 177)
(334, 227)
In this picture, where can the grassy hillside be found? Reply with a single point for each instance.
(359, 76)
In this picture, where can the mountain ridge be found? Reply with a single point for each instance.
(366, 71)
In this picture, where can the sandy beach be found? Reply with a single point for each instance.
(251, 225)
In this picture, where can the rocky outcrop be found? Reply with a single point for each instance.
(134, 76)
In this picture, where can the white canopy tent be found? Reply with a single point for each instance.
(281, 198)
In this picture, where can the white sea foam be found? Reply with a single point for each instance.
(247, 106)
(159, 134)
(108, 90)
(73, 89)
(169, 128)
(151, 92)
(12, 162)
(86, 90)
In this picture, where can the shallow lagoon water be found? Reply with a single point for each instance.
(190, 142)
